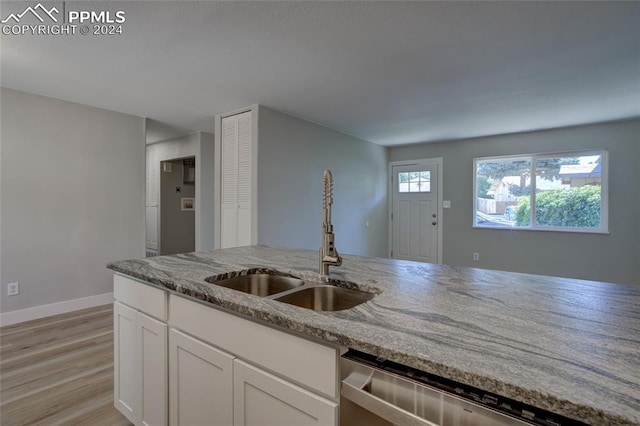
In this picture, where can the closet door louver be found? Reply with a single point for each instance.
(236, 180)
(244, 179)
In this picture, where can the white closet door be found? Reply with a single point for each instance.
(237, 175)
(244, 179)
(229, 216)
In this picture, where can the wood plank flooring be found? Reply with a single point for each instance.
(59, 370)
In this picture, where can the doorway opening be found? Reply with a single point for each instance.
(177, 206)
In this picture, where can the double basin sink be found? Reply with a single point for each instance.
(294, 291)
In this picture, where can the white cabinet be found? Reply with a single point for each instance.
(300, 360)
(125, 363)
(200, 382)
(237, 192)
(205, 366)
(140, 353)
(140, 349)
(152, 341)
(301, 387)
(262, 399)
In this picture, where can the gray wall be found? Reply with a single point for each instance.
(72, 197)
(292, 155)
(613, 257)
(177, 227)
(205, 183)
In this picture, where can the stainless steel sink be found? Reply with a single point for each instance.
(284, 288)
(325, 298)
(259, 284)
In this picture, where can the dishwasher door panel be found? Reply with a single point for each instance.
(429, 404)
(394, 390)
(352, 414)
(373, 397)
(457, 412)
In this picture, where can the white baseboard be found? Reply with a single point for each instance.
(42, 311)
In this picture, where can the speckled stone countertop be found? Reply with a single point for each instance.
(569, 346)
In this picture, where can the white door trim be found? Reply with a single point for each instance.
(437, 161)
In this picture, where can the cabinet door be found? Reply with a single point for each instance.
(126, 362)
(152, 344)
(262, 399)
(200, 382)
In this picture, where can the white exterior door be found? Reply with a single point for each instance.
(414, 213)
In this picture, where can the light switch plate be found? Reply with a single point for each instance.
(446, 204)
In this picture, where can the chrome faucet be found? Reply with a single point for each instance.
(328, 252)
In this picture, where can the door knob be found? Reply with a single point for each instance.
(434, 222)
(433, 215)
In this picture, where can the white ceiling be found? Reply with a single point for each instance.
(389, 72)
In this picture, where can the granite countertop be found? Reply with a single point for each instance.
(568, 346)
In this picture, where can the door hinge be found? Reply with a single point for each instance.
(391, 253)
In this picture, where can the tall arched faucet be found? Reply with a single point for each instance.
(328, 252)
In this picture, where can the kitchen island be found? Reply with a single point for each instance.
(568, 346)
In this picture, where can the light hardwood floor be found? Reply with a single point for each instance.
(59, 370)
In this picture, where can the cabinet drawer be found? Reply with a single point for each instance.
(300, 360)
(152, 301)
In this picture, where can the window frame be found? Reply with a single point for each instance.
(533, 158)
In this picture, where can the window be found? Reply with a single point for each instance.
(553, 192)
(414, 182)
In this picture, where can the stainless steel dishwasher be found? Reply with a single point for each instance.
(376, 392)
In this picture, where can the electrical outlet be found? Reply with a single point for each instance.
(476, 256)
(13, 289)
